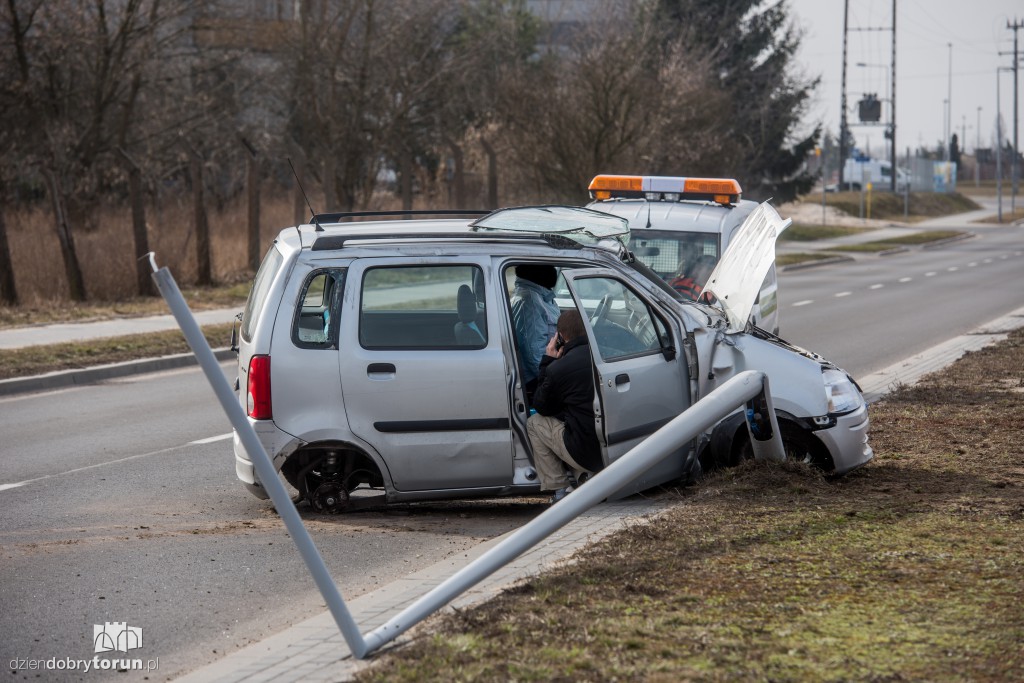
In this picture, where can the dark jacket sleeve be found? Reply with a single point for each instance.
(547, 399)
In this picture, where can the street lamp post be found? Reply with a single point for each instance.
(977, 146)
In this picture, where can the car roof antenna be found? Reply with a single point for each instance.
(303, 191)
(648, 213)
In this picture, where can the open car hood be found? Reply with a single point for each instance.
(736, 280)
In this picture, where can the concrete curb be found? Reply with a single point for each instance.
(813, 264)
(949, 240)
(99, 373)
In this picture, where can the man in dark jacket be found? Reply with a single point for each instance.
(563, 432)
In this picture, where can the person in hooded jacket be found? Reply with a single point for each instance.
(534, 314)
(563, 432)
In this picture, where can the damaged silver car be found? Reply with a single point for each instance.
(357, 369)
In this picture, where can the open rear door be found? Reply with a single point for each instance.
(641, 377)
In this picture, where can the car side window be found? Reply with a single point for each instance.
(423, 307)
(316, 314)
(623, 324)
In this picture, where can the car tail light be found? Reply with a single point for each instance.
(258, 405)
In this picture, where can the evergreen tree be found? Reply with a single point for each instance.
(751, 45)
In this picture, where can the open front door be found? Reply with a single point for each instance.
(641, 375)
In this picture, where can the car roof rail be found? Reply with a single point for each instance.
(332, 242)
(336, 217)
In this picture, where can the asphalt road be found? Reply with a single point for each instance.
(878, 310)
(119, 501)
(128, 511)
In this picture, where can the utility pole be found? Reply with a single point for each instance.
(1014, 174)
(892, 106)
(949, 105)
(843, 152)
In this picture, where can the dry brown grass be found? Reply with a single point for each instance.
(908, 569)
(106, 251)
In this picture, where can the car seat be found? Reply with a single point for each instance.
(467, 332)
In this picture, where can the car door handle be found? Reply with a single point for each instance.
(621, 379)
(380, 371)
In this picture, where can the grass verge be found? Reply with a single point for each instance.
(809, 233)
(913, 239)
(885, 205)
(37, 360)
(782, 260)
(1008, 217)
(199, 298)
(907, 569)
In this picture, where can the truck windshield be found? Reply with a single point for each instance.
(683, 260)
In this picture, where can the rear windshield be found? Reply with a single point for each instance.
(258, 294)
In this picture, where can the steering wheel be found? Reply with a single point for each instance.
(601, 312)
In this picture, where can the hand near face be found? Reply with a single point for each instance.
(551, 349)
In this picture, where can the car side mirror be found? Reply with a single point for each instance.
(234, 333)
(669, 352)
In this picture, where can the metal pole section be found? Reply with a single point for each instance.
(999, 152)
(264, 467)
(1015, 175)
(843, 152)
(892, 106)
(949, 105)
(686, 426)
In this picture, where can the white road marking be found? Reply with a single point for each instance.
(839, 295)
(930, 273)
(220, 437)
(876, 286)
(906, 279)
(972, 264)
(953, 269)
(803, 303)
(211, 439)
(988, 260)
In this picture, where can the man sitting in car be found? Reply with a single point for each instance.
(562, 432)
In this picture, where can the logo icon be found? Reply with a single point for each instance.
(117, 635)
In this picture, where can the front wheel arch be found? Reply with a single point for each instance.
(730, 444)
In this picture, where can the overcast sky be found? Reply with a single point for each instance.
(924, 30)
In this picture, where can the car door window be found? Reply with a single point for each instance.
(423, 307)
(623, 323)
(316, 321)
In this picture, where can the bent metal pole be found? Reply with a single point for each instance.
(747, 386)
(260, 460)
(686, 426)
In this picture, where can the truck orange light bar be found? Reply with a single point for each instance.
(723, 191)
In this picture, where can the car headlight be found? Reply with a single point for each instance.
(842, 394)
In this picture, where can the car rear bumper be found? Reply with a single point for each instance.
(274, 443)
(847, 441)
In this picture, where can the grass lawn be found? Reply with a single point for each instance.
(799, 232)
(885, 205)
(36, 360)
(199, 298)
(908, 569)
(912, 239)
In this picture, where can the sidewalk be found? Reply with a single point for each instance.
(38, 335)
(315, 651)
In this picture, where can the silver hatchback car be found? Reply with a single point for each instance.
(377, 359)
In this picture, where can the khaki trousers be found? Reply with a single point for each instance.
(549, 454)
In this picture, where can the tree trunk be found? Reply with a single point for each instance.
(8, 291)
(143, 281)
(329, 179)
(300, 207)
(492, 174)
(458, 176)
(202, 227)
(405, 171)
(72, 268)
(253, 182)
